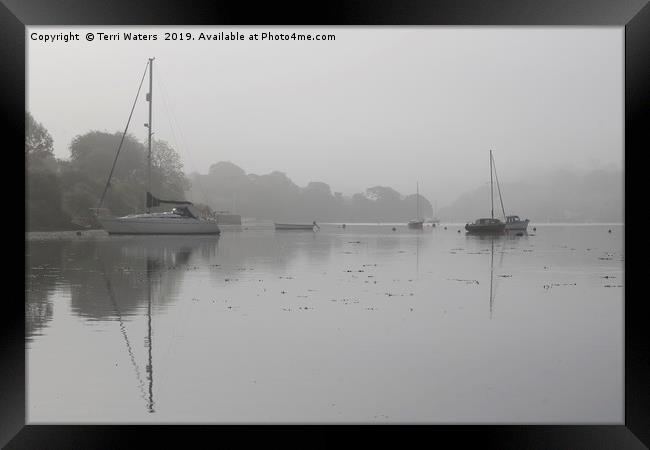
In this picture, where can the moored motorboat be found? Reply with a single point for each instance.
(514, 223)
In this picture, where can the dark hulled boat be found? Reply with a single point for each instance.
(489, 225)
(486, 225)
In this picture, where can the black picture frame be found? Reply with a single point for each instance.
(634, 15)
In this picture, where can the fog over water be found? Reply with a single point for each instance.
(378, 106)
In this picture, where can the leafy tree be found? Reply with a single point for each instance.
(93, 153)
(43, 188)
(167, 176)
(38, 142)
(91, 158)
(39, 145)
(44, 208)
(383, 194)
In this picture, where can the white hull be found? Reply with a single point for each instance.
(158, 225)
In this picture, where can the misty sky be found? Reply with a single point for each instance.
(379, 106)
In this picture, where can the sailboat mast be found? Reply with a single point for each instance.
(491, 188)
(417, 199)
(149, 338)
(150, 100)
(496, 175)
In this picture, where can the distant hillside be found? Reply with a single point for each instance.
(559, 196)
(227, 187)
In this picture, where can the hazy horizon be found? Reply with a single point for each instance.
(379, 106)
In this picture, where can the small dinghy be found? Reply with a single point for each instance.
(296, 226)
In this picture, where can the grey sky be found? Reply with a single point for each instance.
(378, 106)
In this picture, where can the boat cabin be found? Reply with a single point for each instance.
(183, 211)
(487, 221)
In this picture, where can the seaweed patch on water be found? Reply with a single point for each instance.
(464, 281)
(551, 285)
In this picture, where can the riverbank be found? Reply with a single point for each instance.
(68, 234)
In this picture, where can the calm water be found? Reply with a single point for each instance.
(362, 324)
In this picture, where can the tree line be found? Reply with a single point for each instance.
(553, 195)
(61, 193)
(274, 196)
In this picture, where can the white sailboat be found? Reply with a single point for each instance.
(182, 219)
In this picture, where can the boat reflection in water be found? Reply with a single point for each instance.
(157, 265)
(119, 279)
(496, 240)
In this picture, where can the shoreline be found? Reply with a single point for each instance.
(95, 233)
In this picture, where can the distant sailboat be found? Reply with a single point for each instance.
(418, 222)
(434, 221)
(180, 220)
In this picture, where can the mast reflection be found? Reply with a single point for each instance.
(162, 262)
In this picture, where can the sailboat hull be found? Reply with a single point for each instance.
(485, 228)
(158, 225)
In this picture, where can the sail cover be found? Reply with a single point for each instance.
(153, 201)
